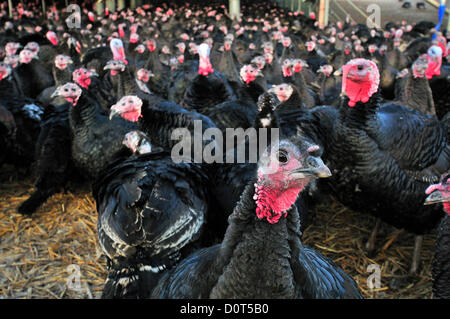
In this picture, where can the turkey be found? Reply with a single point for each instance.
(329, 86)
(292, 74)
(263, 241)
(53, 155)
(62, 73)
(240, 112)
(151, 213)
(96, 140)
(439, 193)
(383, 157)
(159, 82)
(23, 129)
(413, 89)
(208, 88)
(438, 75)
(30, 75)
(7, 132)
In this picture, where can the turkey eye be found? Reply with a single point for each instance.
(282, 157)
(312, 162)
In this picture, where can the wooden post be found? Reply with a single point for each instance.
(99, 7)
(10, 8)
(235, 9)
(44, 9)
(321, 13)
(111, 5)
(327, 12)
(448, 18)
(120, 5)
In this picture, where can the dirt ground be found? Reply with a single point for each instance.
(391, 10)
(42, 256)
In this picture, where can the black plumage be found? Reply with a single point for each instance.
(54, 158)
(151, 212)
(97, 140)
(382, 160)
(253, 249)
(441, 261)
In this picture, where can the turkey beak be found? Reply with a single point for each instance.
(93, 73)
(436, 197)
(314, 167)
(55, 94)
(272, 90)
(113, 112)
(338, 72)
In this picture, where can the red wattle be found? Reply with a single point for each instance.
(434, 68)
(297, 68)
(444, 49)
(357, 92)
(287, 72)
(205, 66)
(447, 207)
(132, 116)
(363, 89)
(272, 203)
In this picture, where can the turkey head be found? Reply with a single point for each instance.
(439, 193)
(283, 171)
(129, 107)
(360, 80)
(69, 91)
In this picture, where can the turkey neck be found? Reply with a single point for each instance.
(83, 114)
(417, 94)
(254, 260)
(290, 110)
(158, 124)
(299, 80)
(127, 85)
(227, 66)
(358, 115)
(9, 89)
(153, 63)
(441, 261)
(242, 93)
(255, 88)
(61, 76)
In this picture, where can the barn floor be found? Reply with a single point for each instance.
(41, 256)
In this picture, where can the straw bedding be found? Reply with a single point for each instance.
(39, 255)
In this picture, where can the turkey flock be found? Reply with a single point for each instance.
(362, 115)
